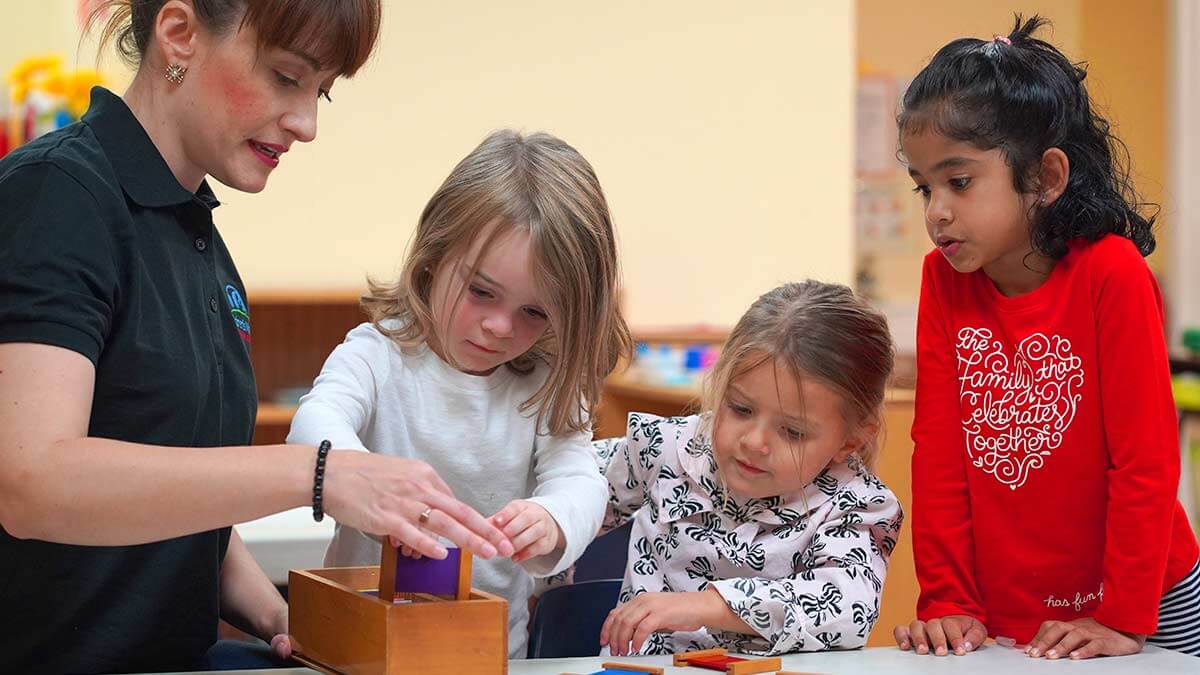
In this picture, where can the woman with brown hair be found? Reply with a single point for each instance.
(127, 400)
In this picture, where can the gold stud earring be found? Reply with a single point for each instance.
(175, 73)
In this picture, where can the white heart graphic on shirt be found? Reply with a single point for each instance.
(1015, 413)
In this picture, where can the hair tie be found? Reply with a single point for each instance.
(1001, 38)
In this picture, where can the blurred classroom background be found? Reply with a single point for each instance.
(740, 145)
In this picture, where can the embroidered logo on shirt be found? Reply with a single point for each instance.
(239, 311)
(1015, 412)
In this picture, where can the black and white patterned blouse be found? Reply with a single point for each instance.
(804, 570)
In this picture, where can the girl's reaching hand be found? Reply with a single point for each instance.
(629, 626)
(530, 528)
(1082, 639)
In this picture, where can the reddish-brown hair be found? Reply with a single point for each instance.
(339, 34)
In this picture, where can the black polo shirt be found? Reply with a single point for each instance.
(103, 252)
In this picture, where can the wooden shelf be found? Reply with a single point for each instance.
(700, 333)
(1184, 363)
(327, 296)
(293, 332)
(623, 384)
(273, 413)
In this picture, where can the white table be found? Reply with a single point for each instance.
(286, 541)
(989, 660)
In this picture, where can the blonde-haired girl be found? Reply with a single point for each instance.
(486, 356)
(757, 524)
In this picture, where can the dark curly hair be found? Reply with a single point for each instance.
(1023, 96)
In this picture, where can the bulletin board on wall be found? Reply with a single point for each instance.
(890, 237)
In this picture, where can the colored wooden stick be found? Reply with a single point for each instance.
(748, 666)
(718, 659)
(400, 574)
(685, 657)
(632, 668)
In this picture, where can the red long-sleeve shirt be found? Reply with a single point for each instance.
(1046, 461)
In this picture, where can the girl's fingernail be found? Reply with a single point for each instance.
(1053, 653)
(967, 646)
(903, 645)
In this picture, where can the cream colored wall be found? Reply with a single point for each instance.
(1126, 47)
(720, 131)
(35, 27)
(893, 36)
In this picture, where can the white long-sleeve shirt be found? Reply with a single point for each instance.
(371, 395)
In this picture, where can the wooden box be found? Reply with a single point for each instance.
(337, 627)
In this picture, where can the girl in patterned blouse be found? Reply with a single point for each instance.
(757, 524)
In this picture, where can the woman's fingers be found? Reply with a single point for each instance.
(379, 494)
(464, 526)
(281, 646)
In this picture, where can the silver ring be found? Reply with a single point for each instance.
(424, 517)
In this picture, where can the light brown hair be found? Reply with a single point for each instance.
(818, 330)
(541, 184)
(339, 34)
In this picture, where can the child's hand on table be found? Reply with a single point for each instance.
(1082, 639)
(957, 632)
(648, 613)
(530, 528)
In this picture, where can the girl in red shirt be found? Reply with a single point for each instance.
(1046, 462)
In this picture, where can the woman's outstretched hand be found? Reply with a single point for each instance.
(406, 500)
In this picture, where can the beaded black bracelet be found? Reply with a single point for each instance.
(319, 481)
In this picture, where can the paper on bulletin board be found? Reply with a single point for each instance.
(875, 129)
(878, 217)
